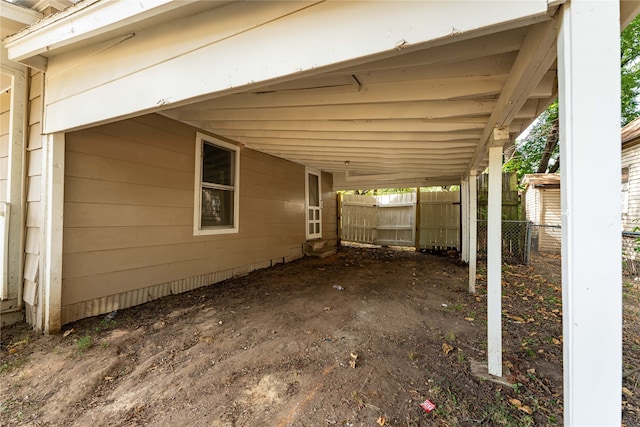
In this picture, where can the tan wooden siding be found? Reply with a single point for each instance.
(550, 237)
(329, 210)
(631, 159)
(532, 205)
(128, 232)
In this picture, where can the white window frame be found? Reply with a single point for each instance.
(201, 139)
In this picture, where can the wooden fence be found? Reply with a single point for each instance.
(511, 209)
(387, 220)
(439, 220)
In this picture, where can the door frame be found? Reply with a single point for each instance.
(309, 218)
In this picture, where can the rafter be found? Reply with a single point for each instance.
(536, 56)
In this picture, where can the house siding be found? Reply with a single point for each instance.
(532, 205)
(542, 208)
(550, 237)
(329, 210)
(128, 227)
(631, 159)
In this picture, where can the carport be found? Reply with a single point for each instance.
(379, 94)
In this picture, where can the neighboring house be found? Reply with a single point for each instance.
(157, 146)
(542, 208)
(630, 137)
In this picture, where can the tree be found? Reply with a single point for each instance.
(630, 70)
(539, 152)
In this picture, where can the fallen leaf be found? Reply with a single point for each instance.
(381, 421)
(515, 402)
(555, 341)
(531, 371)
(446, 348)
(327, 309)
(470, 319)
(627, 392)
(68, 332)
(352, 364)
(525, 408)
(514, 318)
(354, 356)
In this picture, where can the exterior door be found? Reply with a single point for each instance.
(314, 205)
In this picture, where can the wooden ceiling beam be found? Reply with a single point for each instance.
(397, 110)
(301, 135)
(360, 144)
(399, 91)
(381, 126)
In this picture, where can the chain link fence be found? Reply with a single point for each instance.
(546, 238)
(516, 241)
(522, 238)
(631, 253)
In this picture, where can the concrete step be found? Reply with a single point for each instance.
(319, 248)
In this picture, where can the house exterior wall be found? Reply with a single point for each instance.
(128, 226)
(550, 215)
(542, 208)
(532, 205)
(631, 160)
(329, 210)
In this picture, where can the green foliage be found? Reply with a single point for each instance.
(377, 192)
(630, 70)
(529, 151)
(83, 343)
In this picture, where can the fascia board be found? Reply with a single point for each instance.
(82, 22)
(18, 14)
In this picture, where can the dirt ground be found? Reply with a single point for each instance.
(361, 338)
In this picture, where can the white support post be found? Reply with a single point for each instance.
(473, 231)
(589, 94)
(494, 254)
(12, 237)
(464, 215)
(53, 199)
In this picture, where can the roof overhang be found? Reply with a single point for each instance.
(385, 96)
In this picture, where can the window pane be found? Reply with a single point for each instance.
(314, 196)
(217, 207)
(217, 165)
(317, 228)
(310, 228)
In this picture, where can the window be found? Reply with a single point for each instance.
(216, 186)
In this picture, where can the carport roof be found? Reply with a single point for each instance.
(385, 96)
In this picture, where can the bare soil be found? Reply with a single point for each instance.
(357, 339)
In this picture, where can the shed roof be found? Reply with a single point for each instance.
(630, 134)
(542, 180)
